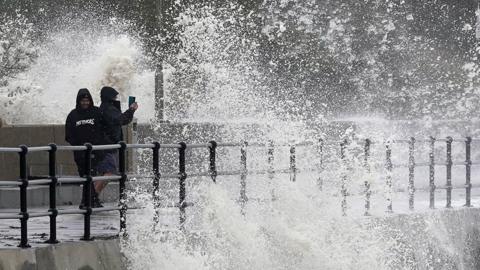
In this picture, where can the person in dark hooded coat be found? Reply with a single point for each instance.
(85, 124)
(114, 120)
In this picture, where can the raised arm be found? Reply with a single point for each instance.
(127, 117)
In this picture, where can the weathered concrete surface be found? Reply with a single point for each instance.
(93, 255)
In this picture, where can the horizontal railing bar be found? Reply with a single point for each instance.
(71, 211)
(39, 148)
(297, 170)
(106, 147)
(10, 183)
(135, 207)
(148, 145)
(129, 176)
(460, 163)
(39, 182)
(400, 141)
(42, 214)
(441, 163)
(10, 211)
(199, 174)
(459, 140)
(226, 173)
(231, 172)
(106, 209)
(71, 148)
(10, 149)
(163, 176)
(424, 188)
(10, 216)
(170, 145)
(400, 165)
(145, 181)
(106, 178)
(229, 144)
(259, 172)
(185, 204)
(256, 144)
(71, 180)
(302, 144)
(199, 145)
(452, 187)
(422, 164)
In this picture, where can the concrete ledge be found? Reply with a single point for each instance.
(94, 255)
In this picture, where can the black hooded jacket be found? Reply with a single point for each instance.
(85, 126)
(113, 116)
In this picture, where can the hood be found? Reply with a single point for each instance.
(82, 93)
(108, 94)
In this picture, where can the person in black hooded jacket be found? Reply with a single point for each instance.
(85, 124)
(114, 120)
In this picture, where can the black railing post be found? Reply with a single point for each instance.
(182, 177)
(321, 144)
(52, 172)
(432, 172)
(468, 170)
(389, 168)
(156, 181)
(23, 198)
(411, 173)
(212, 169)
(122, 167)
(449, 172)
(88, 192)
(368, 192)
(343, 146)
(243, 177)
(271, 168)
(293, 167)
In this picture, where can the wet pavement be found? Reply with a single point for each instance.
(104, 225)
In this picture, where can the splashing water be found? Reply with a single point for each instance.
(311, 61)
(70, 60)
(297, 231)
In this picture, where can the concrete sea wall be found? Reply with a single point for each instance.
(94, 255)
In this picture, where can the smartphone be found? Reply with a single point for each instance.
(131, 100)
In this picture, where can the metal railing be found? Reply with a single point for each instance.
(411, 166)
(53, 180)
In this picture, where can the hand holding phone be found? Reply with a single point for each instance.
(132, 104)
(131, 100)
